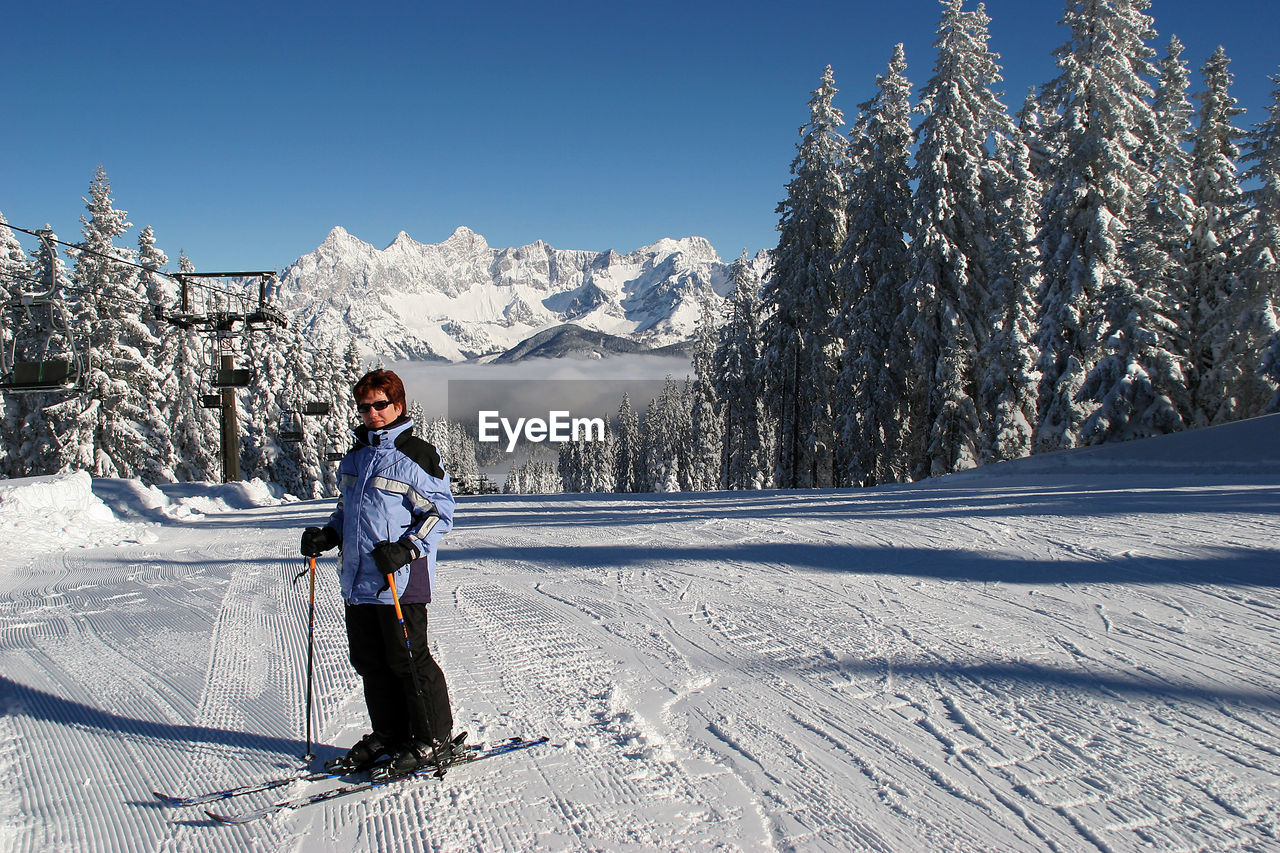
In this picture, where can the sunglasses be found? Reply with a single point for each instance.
(363, 408)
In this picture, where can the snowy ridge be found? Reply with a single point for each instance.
(1011, 660)
(53, 513)
(1244, 447)
(461, 298)
(75, 510)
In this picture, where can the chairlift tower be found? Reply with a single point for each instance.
(56, 356)
(224, 324)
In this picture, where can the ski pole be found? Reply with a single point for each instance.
(311, 645)
(413, 671)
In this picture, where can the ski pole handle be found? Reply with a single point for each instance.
(395, 598)
(404, 629)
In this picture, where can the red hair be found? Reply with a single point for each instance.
(380, 380)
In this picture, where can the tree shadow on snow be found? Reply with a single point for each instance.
(1112, 685)
(19, 700)
(922, 502)
(1226, 566)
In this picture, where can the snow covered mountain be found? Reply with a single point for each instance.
(463, 299)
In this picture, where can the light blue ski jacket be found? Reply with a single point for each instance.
(391, 487)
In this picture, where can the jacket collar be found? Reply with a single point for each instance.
(388, 435)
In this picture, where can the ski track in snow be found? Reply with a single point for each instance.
(955, 665)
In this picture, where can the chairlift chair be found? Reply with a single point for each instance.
(291, 427)
(52, 358)
(40, 376)
(233, 377)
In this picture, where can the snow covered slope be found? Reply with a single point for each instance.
(461, 298)
(1059, 659)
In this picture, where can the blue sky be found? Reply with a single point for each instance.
(243, 132)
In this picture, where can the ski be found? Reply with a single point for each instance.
(515, 744)
(241, 790)
(264, 785)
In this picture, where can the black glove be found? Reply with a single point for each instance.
(317, 540)
(391, 556)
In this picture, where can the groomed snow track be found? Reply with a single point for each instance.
(1026, 662)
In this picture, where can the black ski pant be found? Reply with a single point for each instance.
(378, 654)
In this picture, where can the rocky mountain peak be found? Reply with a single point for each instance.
(466, 239)
(461, 299)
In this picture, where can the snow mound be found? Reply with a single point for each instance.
(61, 511)
(74, 510)
(208, 498)
(185, 501)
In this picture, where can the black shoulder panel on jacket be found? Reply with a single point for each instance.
(422, 452)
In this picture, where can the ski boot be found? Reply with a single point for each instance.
(418, 755)
(360, 757)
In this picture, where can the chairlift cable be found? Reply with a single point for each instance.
(84, 291)
(177, 277)
(46, 235)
